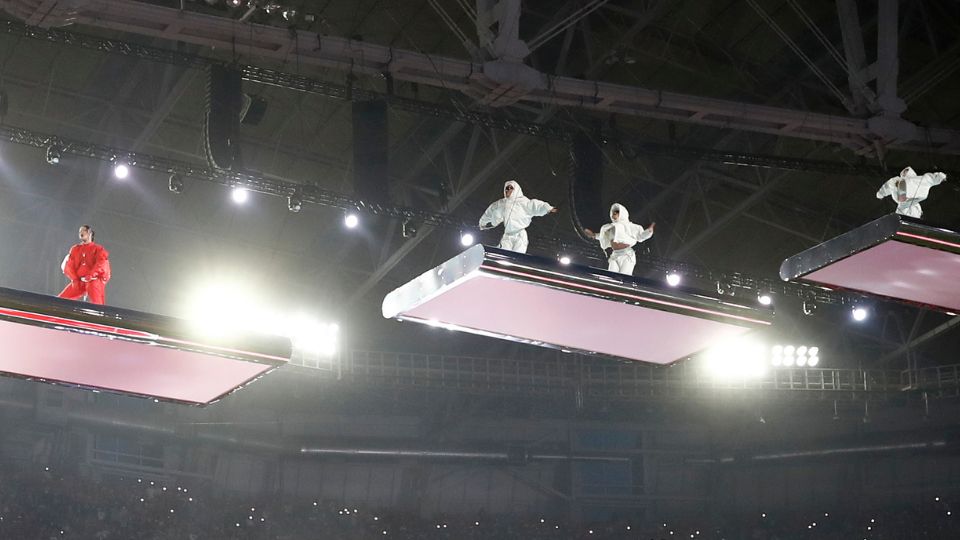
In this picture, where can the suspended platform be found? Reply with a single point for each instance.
(894, 257)
(535, 300)
(84, 345)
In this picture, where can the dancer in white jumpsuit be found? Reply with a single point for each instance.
(908, 190)
(621, 235)
(515, 212)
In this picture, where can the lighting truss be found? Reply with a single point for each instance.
(324, 197)
(247, 180)
(456, 112)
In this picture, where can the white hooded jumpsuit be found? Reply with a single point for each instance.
(908, 190)
(515, 212)
(622, 231)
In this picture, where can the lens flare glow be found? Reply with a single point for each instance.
(736, 359)
(121, 170)
(239, 195)
(225, 308)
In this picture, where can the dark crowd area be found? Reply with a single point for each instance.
(38, 502)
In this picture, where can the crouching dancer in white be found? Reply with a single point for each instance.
(621, 235)
(909, 190)
(515, 212)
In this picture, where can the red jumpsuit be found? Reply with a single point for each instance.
(91, 261)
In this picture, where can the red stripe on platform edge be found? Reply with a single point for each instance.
(50, 319)
(928, 239)
(125, 332)
(635, 297)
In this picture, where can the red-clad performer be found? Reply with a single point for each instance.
(88, 268)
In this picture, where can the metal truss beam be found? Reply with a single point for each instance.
(941, 329)
(362, 58)
(323, 197)
(595, 377)
(253, 182)
(478, 118)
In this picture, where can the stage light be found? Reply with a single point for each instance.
(410, 228)
(351, 221)
(776, 357)
(673, 279)
(310, 336)
(289, 14)
(859, 314)
(175, 184)
(790, 355)
(737, 358)
(239, 195)
(230, 308)
(234, 3)
(121, 170)
(466, 239)
(765, 299)
(53, 154)
(294, 203)
(564, 260)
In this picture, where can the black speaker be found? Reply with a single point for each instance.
(586, 184)
(370, 151)
(222, 123)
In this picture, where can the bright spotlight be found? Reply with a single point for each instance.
(802, 350)
(859, 314)
(765, 299)
(813, 361)
(121, 170)
(311, 336)
(738, 358)
(673, 279)
(788, 350)
(217, 310)
(813, 351)
(466, 239)
(239, 195)
(777, 350)
(564, 260)
(351, 221)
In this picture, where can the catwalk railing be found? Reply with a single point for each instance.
(585, 376)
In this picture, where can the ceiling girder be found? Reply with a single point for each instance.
(281, 44)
